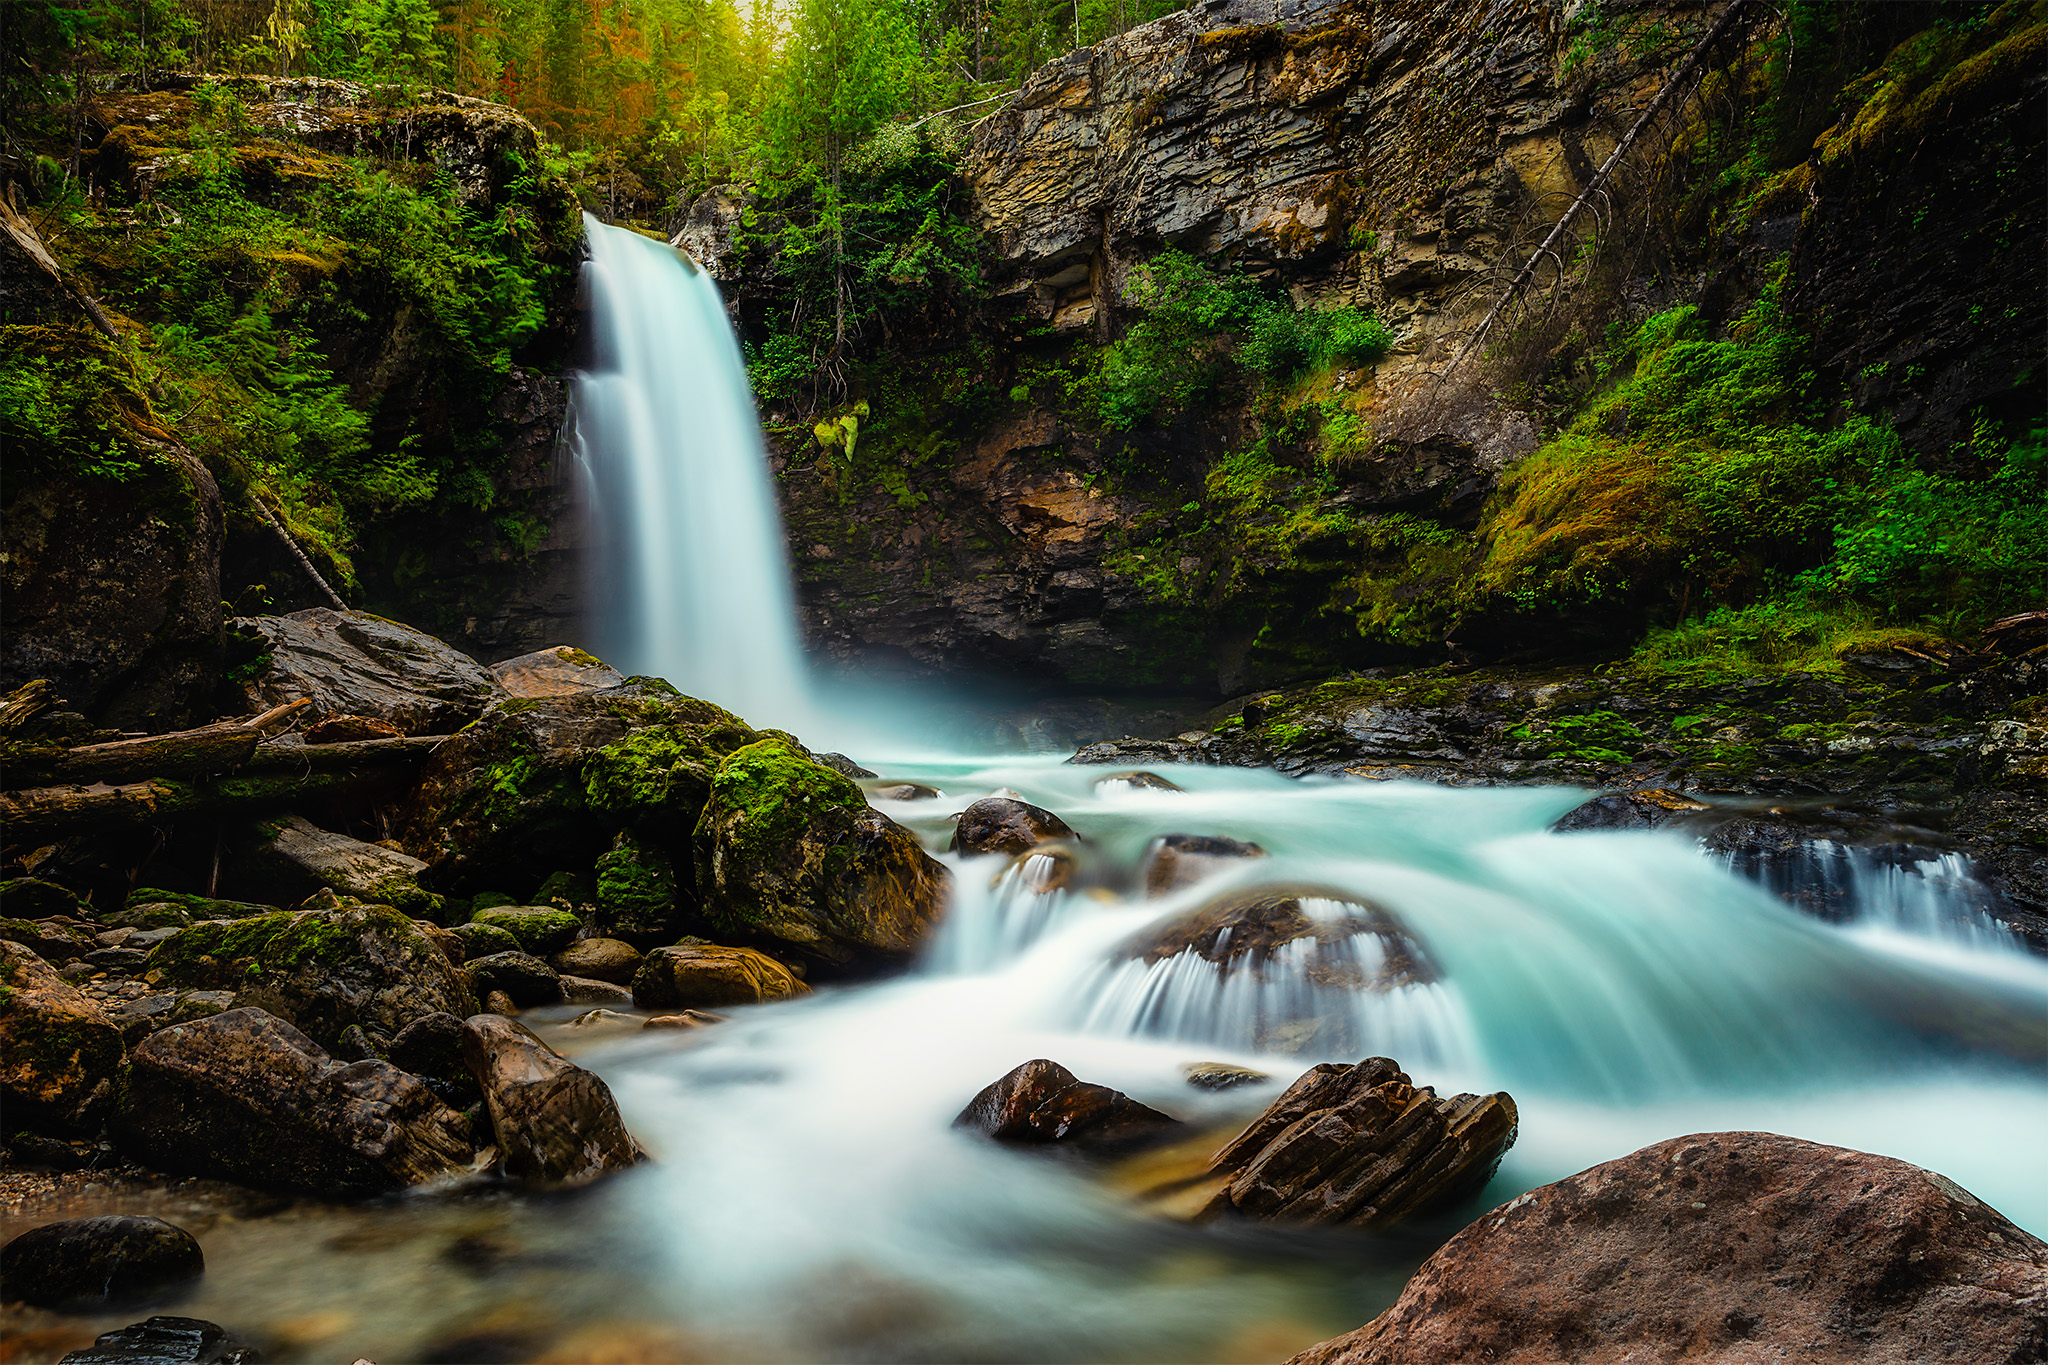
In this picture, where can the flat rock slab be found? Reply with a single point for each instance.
(1727, 1248)
(557, 671)
(351, 663)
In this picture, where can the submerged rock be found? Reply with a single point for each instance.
(1173, 861)
(705, 975)
(58, 1048)
(86, 1262)
(556, 1123)
(351, 663)
(557, 671)
(1002, 824)
(788, 849)
(1137, 779)
(1041, 1102)
(1244, 931)
(1724, 1247)
(321, 970)
(245, 1096)
(166, 1341)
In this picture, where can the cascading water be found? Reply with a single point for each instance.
(691, 583)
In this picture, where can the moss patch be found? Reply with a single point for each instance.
(772, 793)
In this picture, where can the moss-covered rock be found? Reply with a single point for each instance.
(481, 940)
(788, 849)
(570, 891)
(58, 1049)
(292, 858)
(636, 892)
(321, 970)
(539, 930)
(31, 898)
(149, 903)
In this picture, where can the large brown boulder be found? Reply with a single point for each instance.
(351, 663)
(322, 970)
(1003, 824)
(788, 849)
(1724, 1248)
(58, 1049)
(557, 671)
(707, 976)
(245, 1096)
(1357, 1145)
(1041, 1103)
(556, 1123)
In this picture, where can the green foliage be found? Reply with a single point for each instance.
(55, 410)
(1594, 737)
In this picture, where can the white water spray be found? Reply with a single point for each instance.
(692, 583)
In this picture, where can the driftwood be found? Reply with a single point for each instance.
(349, 754)
(183, 753)
(46, 814)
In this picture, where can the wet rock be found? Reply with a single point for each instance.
(684, 1019)
(523, 978)
(1357, 1145)
(245, 1096)
(538, 930)
(1045, 868)
(431, 1046)
(346, 729)
(904, 791)
(604, 1019)
(499, 1002)
(1357, 945)
(58, 1049)
(482, 940)
(51, 940)
(555, 1122)
(122, 960)
(601, 959)
(297, 858)
(582, 990)
(320, 970)
(140, 1017)
(29, 898)
(1173, 861)
(1724, 1247)
(790, 850)
(1136, 779)
(706, 975)
(636, 891)
(1001, 824)
(1041, 1102)
(1221, 1075)
(844, 766)
(166, 1341)
(557, 671)
(350, 663)
(1650, 808)
(86, 1262)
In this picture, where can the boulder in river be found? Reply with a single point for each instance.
(351, 663)
(787, 849)
(87, 1262)
(1003, 824)
(1724, 1247)
(1357, 1145)
(556, 1123)
(600, 959)
(708, 976)
(1041, 1103)
(557, 671)
(294, 858)
(1173, 861)
(538, 929)
(58, 1048)
(166, 1341)
(526, 979)
(1352, 943)
(321, 970)
(245, 1096)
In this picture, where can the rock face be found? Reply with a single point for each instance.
(245, 1096)
(1042, 1102)
(557, 671)
(1724, 1247)
(556, 1123)
(296, 858)
(58, 1049)
(1357, 1145)
(706, 976)
(350, 663)
(790, 850)
(1001, 824)
(116, 1258)
(323, 970)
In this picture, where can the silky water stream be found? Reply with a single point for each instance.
(809, 1199)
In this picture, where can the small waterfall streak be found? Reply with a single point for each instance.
(1908, 891)
(690, 581)
(986, 930)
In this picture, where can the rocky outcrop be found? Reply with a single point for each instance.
(89, 1262)
(556, 1123)
(1724, 1247)
(245, 1096)
(1042, 1103)
(58, 1049)
(324, 971)
(167, 1341)
(700, 975)
(350, 663)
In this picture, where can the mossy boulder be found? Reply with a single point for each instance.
(636, 892)
(150, 907)
(58, 1049)
(788, 849)
(539, 930)
(540, 784)
(481, 940)
(292, 858)
(31, 898)
(50, 940)
(321, 970)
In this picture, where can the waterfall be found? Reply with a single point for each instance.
(690, 580)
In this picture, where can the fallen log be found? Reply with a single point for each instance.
(352, 753)
(45, 814)
(185, 753)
